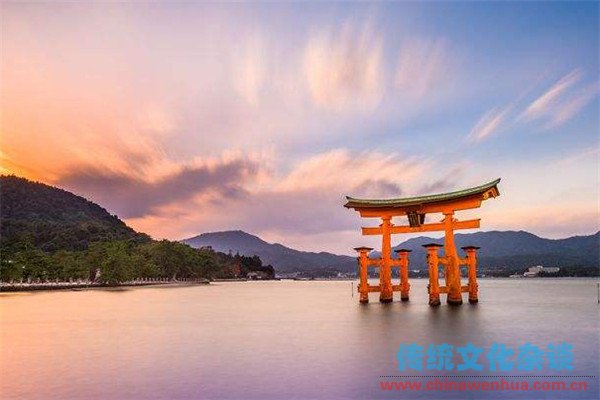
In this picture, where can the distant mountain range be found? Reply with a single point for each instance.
(283, 258)
(521, 249)
(498, 249)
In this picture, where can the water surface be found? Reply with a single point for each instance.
(263, 340)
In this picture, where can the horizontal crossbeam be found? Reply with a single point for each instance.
(468, 224)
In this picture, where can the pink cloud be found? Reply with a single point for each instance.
(488, 124)
(544, 104)
(249, 69)
(562, 101)
(423, 67)
(570, 107)
(303, 205)
(343, 68)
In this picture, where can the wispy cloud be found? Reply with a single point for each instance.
(343, 67)
(558, 104)
(489, 124)
(345, 172)
(562, 101)
(249, 68)
(545, 103)
(423, 65)
(572, 106)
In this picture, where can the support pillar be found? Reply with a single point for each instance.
(452, 263)
(472, 268)
(363, 273)
(432, 262)
(404, 285)
(385, 271)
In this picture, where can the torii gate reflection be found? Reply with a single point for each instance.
(415, 209)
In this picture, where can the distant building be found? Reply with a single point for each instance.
(257, 276)
(535, 271)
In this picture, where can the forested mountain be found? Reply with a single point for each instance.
(53, 219)
(50, 234)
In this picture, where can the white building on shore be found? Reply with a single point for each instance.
(535, 271)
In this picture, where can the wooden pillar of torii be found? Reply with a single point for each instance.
(415, 209)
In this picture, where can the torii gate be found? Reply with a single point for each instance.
(415, 209)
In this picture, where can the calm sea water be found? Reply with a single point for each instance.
(264, 340)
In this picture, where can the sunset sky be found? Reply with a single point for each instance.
(189, 118)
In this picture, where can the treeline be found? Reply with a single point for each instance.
(111, 262)
(49, 234)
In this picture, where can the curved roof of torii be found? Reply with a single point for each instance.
(487, 190)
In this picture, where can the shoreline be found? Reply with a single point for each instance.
(33, 287)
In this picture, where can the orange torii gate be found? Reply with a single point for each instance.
(415, 209)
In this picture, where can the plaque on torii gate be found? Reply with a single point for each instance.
(415, 210)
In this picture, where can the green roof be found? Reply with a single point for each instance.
(410, 201)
